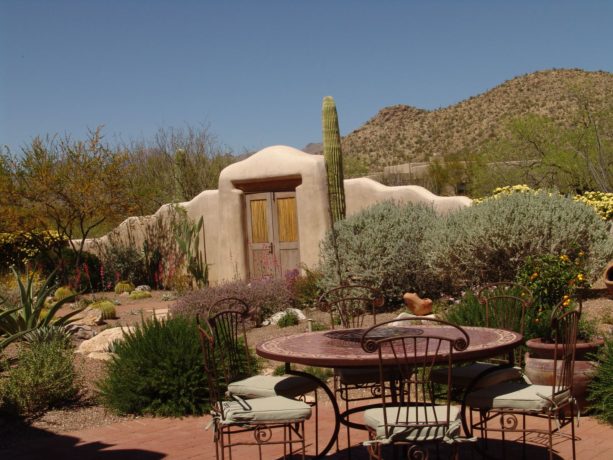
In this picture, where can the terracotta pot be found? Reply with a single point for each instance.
(608, 278)
(539, 366)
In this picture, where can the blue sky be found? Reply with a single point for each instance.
(256, 71)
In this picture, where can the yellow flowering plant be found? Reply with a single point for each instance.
(552, 278)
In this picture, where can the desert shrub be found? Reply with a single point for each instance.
(137, 295)
(317, 326)
(305, 288)
(381, 247)
(157, 369)
(124, 286)
(600, 390)
(43, 378)
(466, 311)
(106, 307)
(62, 292)
(265, 297)
(489, 241)
(84, 277)
(288, 319)
(322, 373)
(124, 262)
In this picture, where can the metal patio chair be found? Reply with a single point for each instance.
(511, 400)
(416, 416)
(261, 416)
(228, 319)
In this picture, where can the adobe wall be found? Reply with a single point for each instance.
(225, 226)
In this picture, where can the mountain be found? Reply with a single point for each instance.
(402, 134)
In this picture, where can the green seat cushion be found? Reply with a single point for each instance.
(433, 423)
(516, 395)
(262, 386)
(265, 410)
(461, 376)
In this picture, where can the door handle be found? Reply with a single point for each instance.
(269, 248)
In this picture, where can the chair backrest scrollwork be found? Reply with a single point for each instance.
(350, 304)
(227, 321)
(416, 350)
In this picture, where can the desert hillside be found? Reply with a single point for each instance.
(401, 134)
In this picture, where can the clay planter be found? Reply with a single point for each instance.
(608, 278)
(539, 366)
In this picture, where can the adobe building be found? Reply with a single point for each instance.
(271, 212)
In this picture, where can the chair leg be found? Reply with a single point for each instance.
(316, 422)
(550, 436)
(348, 433)
(572, 427)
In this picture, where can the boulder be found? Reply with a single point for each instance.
(102, 341)
(143, 288)
(80, 331)
(100, 355)
(274, 319)
(408, 323)
(89, 317)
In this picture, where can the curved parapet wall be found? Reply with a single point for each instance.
(363, 192)
(225, 227)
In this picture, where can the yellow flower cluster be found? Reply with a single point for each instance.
(601, 202)
(504, 191)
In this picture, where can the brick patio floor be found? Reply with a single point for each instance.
(157, 438)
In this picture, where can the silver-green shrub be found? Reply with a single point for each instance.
(489, 241)
(380, 247)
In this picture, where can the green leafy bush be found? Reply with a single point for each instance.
(157, 369)
(489, 241)
(288, 319)
(381, 247)
(466, 312)
(137, 295)
(43, 378)
(106, 307)
(124, 286)
(600, 390)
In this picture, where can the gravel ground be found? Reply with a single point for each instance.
(87, 413)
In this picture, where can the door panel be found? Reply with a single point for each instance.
(287, 249)
(272, 229)
(260, 231)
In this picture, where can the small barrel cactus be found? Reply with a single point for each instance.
(136, 295)
(62, 292)
(106, 307)
(124, 286)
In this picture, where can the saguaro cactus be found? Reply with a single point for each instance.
(334, 159)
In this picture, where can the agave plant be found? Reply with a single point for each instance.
(32, 313)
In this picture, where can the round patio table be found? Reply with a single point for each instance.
(342, 348)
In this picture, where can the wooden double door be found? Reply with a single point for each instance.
(272, 229)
